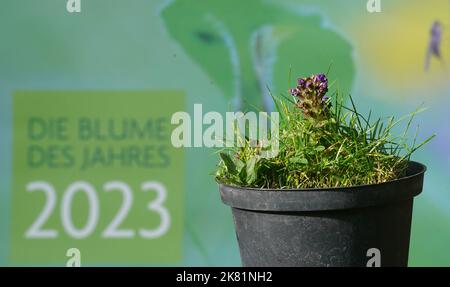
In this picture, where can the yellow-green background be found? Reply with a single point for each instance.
(106, 151)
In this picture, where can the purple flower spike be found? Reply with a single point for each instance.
(310, 95)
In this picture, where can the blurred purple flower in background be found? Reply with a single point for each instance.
(434, 47)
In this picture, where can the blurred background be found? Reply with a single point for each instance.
(128, 197)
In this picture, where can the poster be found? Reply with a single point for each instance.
(84, 96)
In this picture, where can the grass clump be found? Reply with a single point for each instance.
(322, 145)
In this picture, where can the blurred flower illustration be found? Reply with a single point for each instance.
(434, 47)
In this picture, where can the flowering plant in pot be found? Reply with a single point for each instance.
(340, 188)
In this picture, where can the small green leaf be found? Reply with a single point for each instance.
(299, 160)
(243, 175)
(320, 148)
(238, 163)
(251, 170)
(229, 163)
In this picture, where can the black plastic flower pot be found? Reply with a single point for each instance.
(325, 227)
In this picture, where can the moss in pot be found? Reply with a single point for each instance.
(341, 186)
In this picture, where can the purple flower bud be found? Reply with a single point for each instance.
(321, 78)
(308, 84)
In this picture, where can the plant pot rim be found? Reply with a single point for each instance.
(315, 199)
